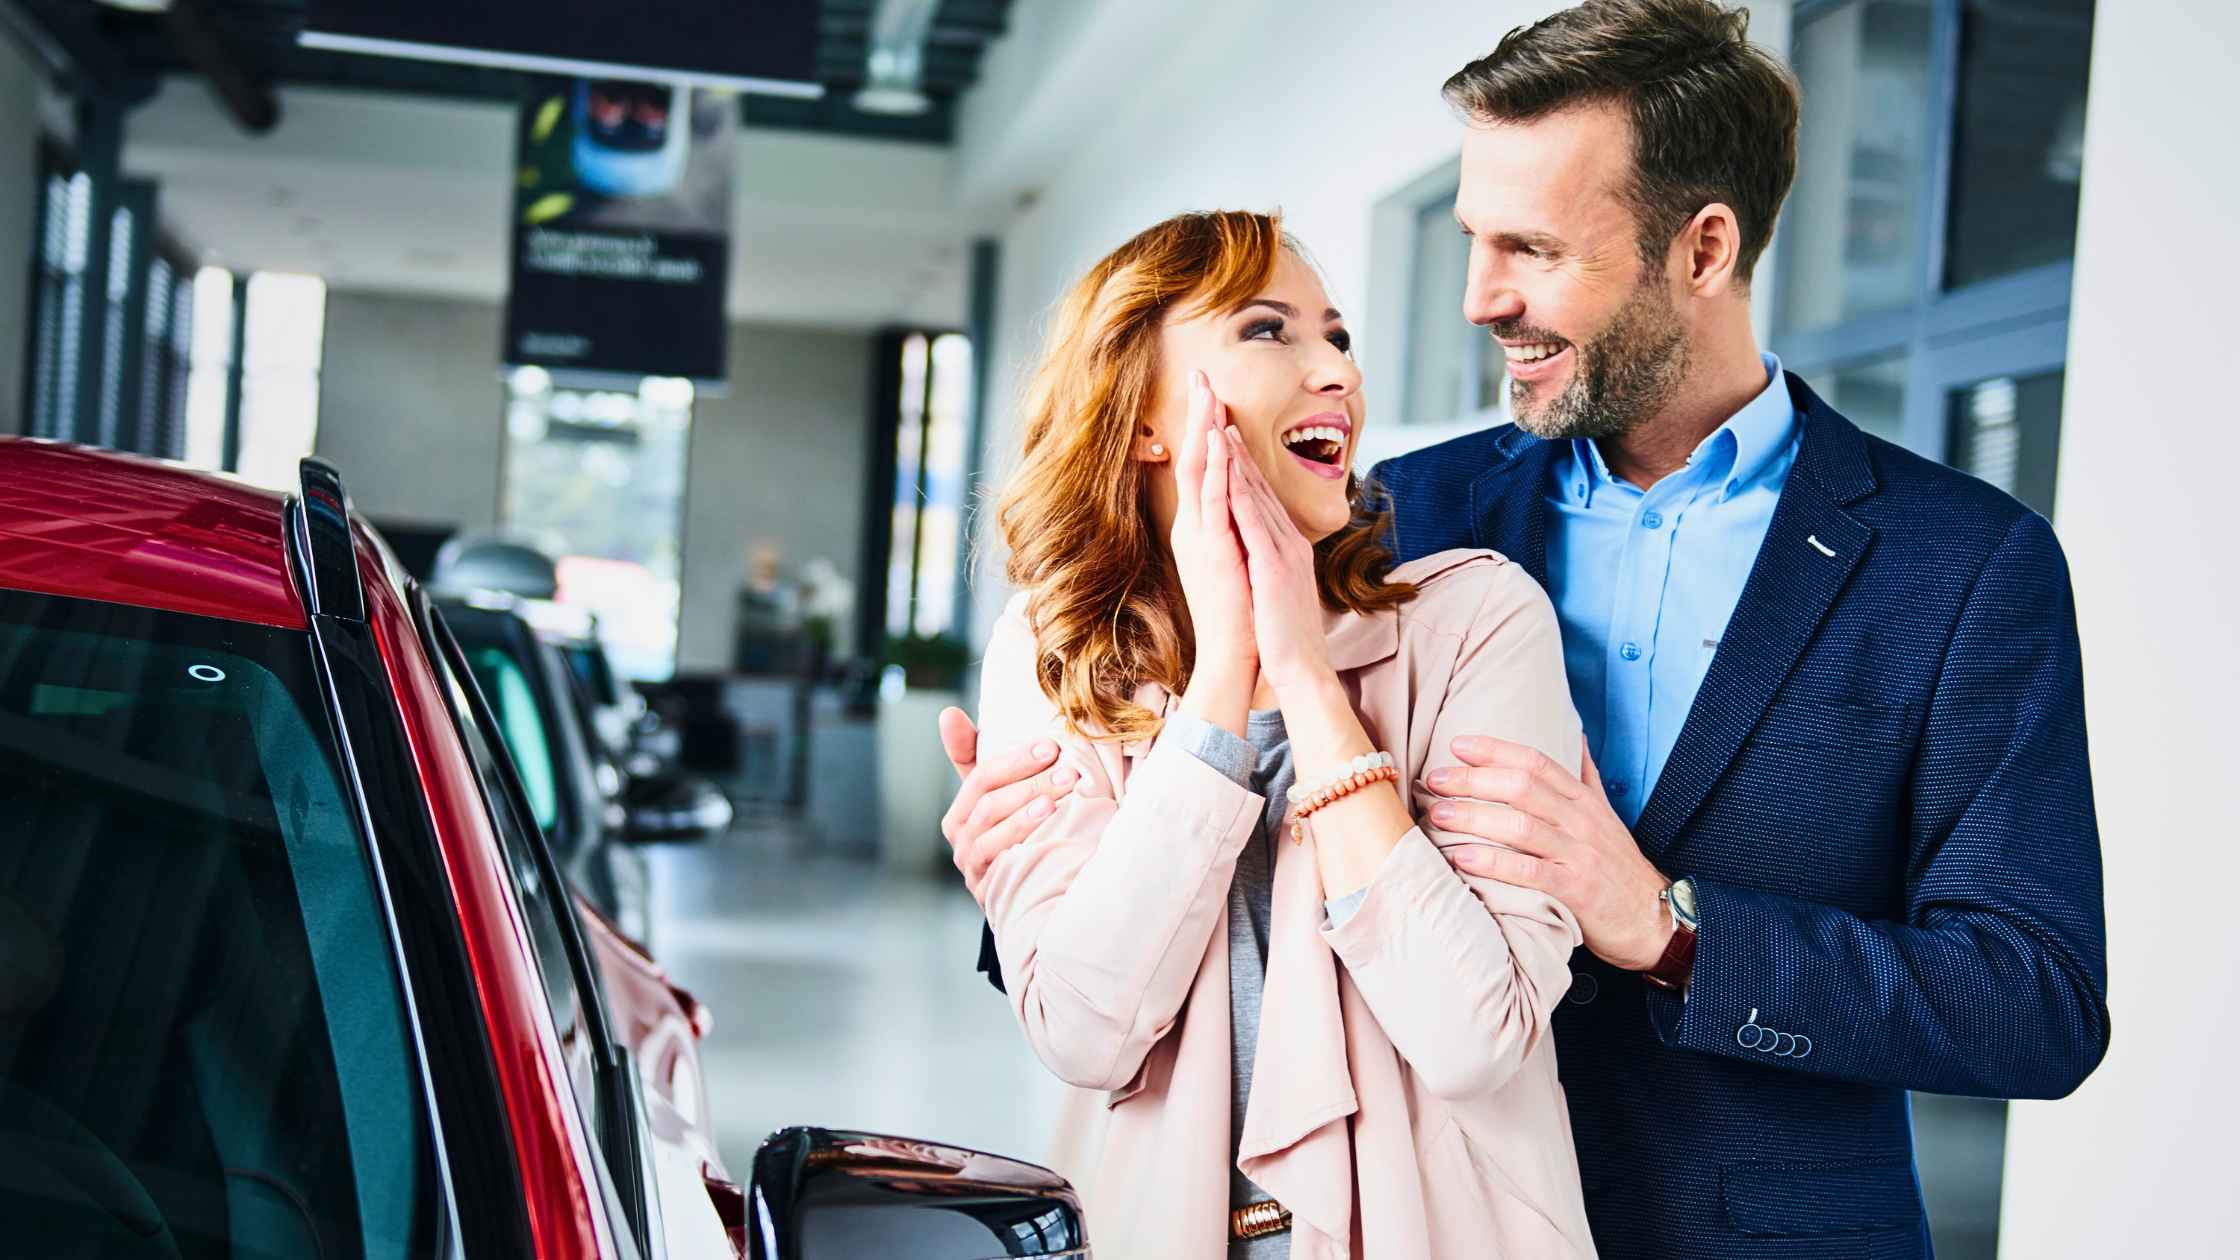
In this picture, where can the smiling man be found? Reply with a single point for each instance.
(1835, 839)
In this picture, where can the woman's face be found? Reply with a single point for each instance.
(1282, 364)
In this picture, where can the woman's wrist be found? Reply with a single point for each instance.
(1325, 732)
(1220, 697)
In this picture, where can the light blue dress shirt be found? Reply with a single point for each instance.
(1645, 580)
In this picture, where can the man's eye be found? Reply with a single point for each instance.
(1528, 251)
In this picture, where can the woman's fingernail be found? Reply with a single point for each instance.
(1445, 811)
(1045, 749)
(1442, 778)
(1040, 809)
(1063, 778)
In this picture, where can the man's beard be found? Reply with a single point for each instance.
(1624, 376)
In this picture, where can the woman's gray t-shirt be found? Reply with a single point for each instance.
(1260, 763)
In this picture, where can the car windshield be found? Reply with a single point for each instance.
(203, 1047)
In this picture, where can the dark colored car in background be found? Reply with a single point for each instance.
(574, 792)
(287, 966)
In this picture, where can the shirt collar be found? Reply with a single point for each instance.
(1735, 452)
(1757, 433)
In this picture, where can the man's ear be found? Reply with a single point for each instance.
(1712, 242)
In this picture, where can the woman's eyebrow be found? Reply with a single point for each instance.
(1285, 309)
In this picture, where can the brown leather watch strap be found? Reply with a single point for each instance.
(1679, 961)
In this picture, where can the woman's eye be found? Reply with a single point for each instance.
(1343, 340)
(1263, 327)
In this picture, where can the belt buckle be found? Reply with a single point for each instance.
(1258, 1220)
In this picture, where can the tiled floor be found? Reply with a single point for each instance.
(843, 997)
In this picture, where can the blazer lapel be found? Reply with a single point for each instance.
(1810, 551)
(1509, 501)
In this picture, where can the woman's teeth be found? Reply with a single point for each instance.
(1321, 443)
(1530, 354)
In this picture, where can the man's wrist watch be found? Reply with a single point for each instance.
(1672, 970)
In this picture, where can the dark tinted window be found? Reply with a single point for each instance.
(203, 1051)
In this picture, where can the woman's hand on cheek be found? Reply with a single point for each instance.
(1279, 562)
(1208, 556)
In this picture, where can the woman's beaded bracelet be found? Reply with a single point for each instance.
(1305, 799)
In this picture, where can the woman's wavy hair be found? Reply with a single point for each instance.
(1106, 609)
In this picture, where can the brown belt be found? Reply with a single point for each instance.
(1258, 1220)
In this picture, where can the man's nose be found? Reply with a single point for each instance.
(1485, 301)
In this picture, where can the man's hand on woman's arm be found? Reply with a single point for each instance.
(1002, 799)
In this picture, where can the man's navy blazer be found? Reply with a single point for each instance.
(1883, 799)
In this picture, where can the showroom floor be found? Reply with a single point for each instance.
(843, 997)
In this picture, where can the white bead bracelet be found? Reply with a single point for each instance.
(1362, 764)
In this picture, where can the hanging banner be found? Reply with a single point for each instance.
(621, 232)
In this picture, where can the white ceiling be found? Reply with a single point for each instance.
(410, 195)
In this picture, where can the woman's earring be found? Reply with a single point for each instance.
(1157, 449)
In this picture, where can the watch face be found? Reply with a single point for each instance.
(1684, 900)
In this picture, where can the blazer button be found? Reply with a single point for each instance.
(1584, 988)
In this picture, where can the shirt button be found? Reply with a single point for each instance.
(1617, 787)
(1652, 521)
(1630, 651)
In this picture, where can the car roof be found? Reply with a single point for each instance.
(124, 529)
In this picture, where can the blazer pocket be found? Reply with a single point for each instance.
(1811, 722)
(1770, 1197)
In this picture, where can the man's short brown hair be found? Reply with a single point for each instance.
(1714, 117)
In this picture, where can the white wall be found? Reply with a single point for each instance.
(19, 140)
(778, 459)
(1107, 117)
(409, 406)
(2140, 1161)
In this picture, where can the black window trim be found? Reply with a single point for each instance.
(442, 999)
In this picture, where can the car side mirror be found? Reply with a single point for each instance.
(820, 1194)
(670, 807)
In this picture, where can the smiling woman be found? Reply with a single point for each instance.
(1214, 642)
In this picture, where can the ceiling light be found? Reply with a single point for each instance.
(894, 78)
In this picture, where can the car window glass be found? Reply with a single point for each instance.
(203, 1042)
(514, 705)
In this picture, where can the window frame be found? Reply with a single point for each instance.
(1946, 336)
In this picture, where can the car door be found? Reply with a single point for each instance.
(664, 1185)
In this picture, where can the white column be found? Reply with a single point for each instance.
(2140, 1162)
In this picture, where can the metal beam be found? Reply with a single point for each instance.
(245, 90)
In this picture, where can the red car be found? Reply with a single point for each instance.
(286, 972)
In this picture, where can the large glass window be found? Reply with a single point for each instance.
(596, 480)
(929, 483)
(2018, 155)
(282, 345)
(203, 1048)
(1851, 240)
(209, 366)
